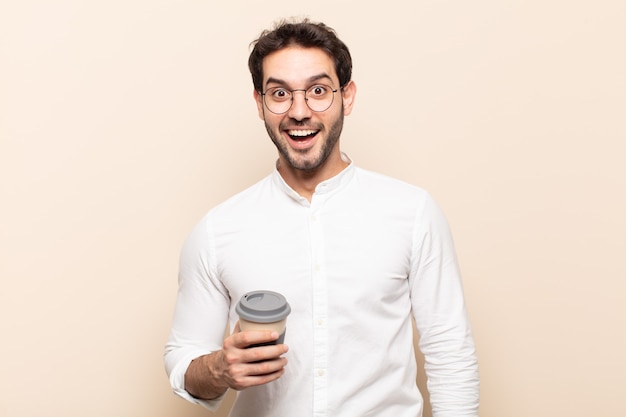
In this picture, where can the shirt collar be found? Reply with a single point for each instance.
(325, 187)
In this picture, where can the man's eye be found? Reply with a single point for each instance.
(317, 90)
(280, 94)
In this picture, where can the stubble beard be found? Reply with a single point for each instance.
(313, 162)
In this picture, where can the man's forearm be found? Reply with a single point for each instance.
(202, 377)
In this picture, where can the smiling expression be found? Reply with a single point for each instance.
(306, 140)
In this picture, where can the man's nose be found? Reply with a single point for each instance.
(299, 109)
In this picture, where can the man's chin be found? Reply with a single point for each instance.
(304, 165)
(306, 160)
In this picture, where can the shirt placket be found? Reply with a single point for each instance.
(320, 314)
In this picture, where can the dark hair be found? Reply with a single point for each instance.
(303, 33)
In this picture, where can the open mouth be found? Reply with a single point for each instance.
(300, 135)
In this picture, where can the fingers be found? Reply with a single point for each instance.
(258, 369)
(237, 349)
(267, 367)
(241, 375)
(249, 375)
(247, 366)
(251, 337)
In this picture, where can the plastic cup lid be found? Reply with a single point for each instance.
(263, 306)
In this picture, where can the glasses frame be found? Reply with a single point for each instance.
(306, 99)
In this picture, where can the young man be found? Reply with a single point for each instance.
(355, 253)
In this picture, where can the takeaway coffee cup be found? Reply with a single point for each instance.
(264, 310)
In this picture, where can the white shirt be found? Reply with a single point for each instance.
(354, 264)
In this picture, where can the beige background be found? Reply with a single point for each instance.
(122, 122)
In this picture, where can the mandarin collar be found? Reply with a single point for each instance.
(323, 188)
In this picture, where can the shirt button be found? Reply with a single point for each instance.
(317, 267)
(320, 322)
(320, 372)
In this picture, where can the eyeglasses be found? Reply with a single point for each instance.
(318, 97)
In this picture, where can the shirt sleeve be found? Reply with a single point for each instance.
(441, 317)
(200, 314)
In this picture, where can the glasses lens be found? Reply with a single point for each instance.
(319, 97)
(278, 100)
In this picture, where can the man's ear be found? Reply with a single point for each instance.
(259, 104)
(348, 93)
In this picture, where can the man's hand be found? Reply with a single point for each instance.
(236, 366)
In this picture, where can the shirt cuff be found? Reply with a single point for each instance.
(177, 381)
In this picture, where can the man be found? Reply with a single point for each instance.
(355, 253)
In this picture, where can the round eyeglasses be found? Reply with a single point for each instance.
(318, 97)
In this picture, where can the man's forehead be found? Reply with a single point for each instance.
(295, 64)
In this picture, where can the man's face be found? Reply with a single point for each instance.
(306, 140)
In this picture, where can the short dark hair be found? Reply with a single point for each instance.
(301, 33)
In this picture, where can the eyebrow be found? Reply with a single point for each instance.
(312, 79)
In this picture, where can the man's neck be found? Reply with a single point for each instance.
(304, 182)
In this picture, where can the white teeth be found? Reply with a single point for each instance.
(300, 132)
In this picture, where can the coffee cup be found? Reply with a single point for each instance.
(264, 310)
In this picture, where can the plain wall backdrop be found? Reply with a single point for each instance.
(123, 122)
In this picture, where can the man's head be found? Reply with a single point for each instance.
(303, 90)
(305, 34)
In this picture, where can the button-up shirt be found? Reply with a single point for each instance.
(366, 254)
